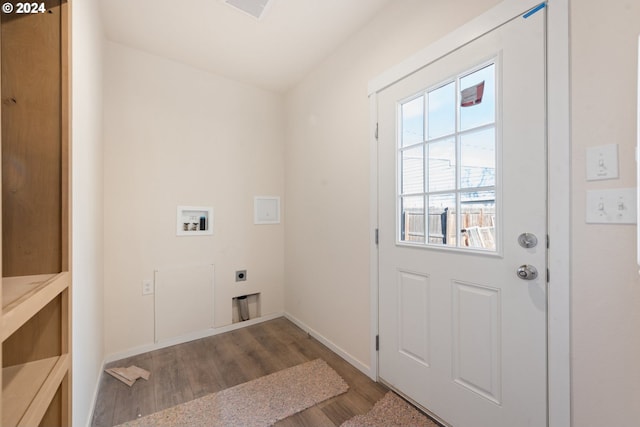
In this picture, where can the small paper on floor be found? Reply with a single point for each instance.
(128, 375)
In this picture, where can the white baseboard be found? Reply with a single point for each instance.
(189, 337)
(362, 367)
(94, 398)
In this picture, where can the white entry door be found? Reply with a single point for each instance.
(462, 217)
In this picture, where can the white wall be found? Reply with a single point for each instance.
(87, 192)
(175, 135)
(327, 170)
(327, 184)
(606, 284)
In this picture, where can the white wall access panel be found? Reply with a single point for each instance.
(183, 300)
(266, 210)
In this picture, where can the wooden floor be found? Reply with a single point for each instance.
(191, 370)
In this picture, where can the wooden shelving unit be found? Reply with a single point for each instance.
(28, 387)
(35, 295)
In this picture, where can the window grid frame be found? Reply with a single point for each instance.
(456, 136)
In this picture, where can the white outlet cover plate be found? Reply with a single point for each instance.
(147, 287)
(615, 206)
(602, 162)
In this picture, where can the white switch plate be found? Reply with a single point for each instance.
(147, 287)
(615, 206)
(602, 162)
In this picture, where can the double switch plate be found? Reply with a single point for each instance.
(614, 206)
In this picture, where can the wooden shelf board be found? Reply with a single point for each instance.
(28, 389)
(15, 287)
(26, 296)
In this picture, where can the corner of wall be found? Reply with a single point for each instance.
(87, 207)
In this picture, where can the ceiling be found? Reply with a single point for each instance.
(273, 53)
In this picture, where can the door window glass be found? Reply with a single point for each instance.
(442, 111)
(478, 158)
(413, 121)
(482, 84)
(413, 222)
(447, 151)
(442, 165)
(413, 170)
(442, 219)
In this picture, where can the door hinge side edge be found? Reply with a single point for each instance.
(376, 133)
(377, 342)
(377, 235)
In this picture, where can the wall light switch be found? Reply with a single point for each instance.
(602, 162)
(616, 206)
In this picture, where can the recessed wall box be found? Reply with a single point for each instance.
(194, 221)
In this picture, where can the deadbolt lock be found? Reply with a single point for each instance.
(528, 240)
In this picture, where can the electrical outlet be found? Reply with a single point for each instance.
(147, 287)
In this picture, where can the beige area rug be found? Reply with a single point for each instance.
(391, 411)
(257, 403)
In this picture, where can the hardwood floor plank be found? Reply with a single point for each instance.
(255, 354)
(276, 338)
(118, 395)
(194, 369)
(349, 405)
(105, 404)
(312, 417)
(134, 401)
(224, 352)
(203, 373)
(171, 386)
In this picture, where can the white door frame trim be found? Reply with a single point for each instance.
(559, 181)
